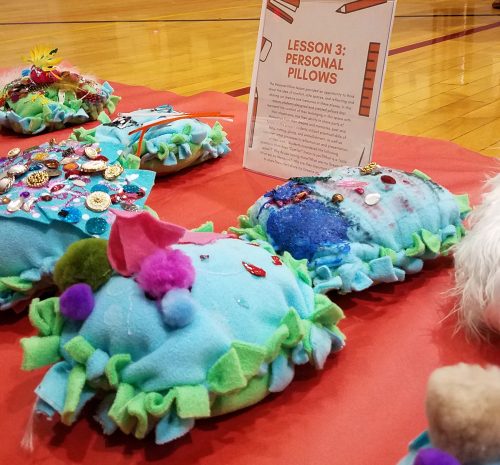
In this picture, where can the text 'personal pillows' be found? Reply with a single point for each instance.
(188, 325)
(46, 98)
(160, 139)
(358, 226)
(52, 195)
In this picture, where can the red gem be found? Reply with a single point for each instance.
(387, 179)
(359, 190)
(100, 157)
(72, 173)
(57, 187)
(140, 193)
(255, 270)
(115, 198)
(277, 260)
(46, 197)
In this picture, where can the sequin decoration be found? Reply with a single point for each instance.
(131, 188)
(96, 226)
(386, 179)
(100, 188)
(98, 201)
(70, 215)
(37, 179)
(301, 228)
(255, 270)
(277, 260)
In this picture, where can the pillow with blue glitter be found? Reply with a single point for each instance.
(356, 227)
(189, 325)
(51, 196)
(45, 98)
(159, 139)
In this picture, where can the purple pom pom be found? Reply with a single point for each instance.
(77, 302)
(434, 457)
(166, 269)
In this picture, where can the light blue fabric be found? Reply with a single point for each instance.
(168, 143)
(232, 305)
(33, 240)
(351, 245)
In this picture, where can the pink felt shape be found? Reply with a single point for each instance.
(164, 270)
(201, 238)
(135, 236)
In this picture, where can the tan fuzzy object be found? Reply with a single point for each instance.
(463, 408)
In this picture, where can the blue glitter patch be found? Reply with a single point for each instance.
(100, 188)
(131, 188)
(36, 166)
(301, 228)
(287, 191)
(70, 214)
(96, 226)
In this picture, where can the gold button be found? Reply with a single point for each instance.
(337, 198)
(98, 201)
(112, 172)
(37, 179)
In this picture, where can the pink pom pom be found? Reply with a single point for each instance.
(166, 269)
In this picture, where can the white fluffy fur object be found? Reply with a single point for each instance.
(477, 266)
(463, 408)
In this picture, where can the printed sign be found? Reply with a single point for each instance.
(316, 84)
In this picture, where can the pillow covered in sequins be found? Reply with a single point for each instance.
(160, 139)
(46, 98)
(358, 226)
(51, 196)
(186, 325)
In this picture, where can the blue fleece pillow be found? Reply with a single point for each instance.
(358, 226)
(51, 196)
(166, 148)
(201, 330)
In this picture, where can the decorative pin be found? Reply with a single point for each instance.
(368, 169)
(93, 166)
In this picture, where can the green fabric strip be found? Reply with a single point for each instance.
(115, 364)
(192, 401)
(40, 351)
(76, 382)
(79, 349)
(44, 315)
(226, 374)
(118, 411)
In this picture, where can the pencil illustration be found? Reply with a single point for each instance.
(253, 118)
(265, 47)
(369, 79)
(292, 5)
(357, 5)
(279, 12)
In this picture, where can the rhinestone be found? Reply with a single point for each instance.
(36, 166)
(40, 156)
(54, 173)
(79, 182)
(359, 190)
(131, 188)
(98, 201)
(57, 187)
(337, 198)
(70, 159)
(112, 172)
(386, 179)
(130, 207)
(368, 169)
(27, 205)
(255, 270)
(51, 164)
(45, 197)
(6, 183)
(372, 199)
(24, 194)
(72, 166)
(5, 200)
(100, 187)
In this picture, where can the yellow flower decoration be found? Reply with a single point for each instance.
(43, 57)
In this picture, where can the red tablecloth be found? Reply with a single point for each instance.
(367, 403)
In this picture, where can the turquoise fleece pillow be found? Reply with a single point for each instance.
(185, 329)
(358, 226)
(166, 148)
(51, 196)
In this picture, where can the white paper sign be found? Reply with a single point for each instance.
(316, 84)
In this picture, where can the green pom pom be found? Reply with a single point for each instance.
(85, 261)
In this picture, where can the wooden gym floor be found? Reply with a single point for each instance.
(442, 81)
